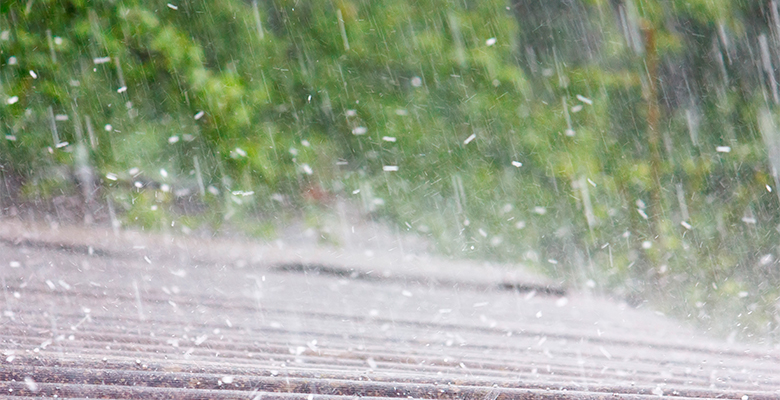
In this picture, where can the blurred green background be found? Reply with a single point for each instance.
(629, 147)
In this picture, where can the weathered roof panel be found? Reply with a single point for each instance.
(89, 315)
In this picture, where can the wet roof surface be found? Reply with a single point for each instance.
(98, 315)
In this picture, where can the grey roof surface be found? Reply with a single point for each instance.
(89, 314)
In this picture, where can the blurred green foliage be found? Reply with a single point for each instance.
(630, 147)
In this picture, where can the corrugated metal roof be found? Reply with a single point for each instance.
(93, 315)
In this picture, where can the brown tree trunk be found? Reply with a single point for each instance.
(653, 138)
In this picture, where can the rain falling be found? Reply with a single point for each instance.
(623, 150)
